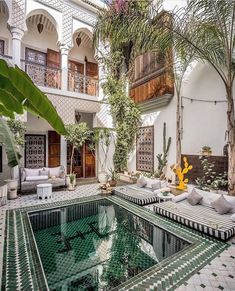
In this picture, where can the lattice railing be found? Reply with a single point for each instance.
(43, 75)
(82, 84)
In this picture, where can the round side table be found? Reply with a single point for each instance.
(44, 191)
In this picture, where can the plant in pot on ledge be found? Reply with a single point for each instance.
(113, 177)
(76, 135)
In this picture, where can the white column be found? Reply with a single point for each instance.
(17, 35)
(64, 66)
(63, 152)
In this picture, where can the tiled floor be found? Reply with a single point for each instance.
(218, 275)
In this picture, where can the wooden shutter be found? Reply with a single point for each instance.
(53, 76)
(92, 72)
(53, 149)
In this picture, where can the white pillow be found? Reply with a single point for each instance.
(150, 181)
(36, 178)
(233, 217)
(180, 197)
(54, 172)
(31, 172)
(165, 189)
(164, 184)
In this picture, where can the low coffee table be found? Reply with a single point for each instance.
(162, 197)
(44, 191)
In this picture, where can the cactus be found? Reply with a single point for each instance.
(181, 173)
(162, 158)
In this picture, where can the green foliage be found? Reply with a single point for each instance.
(126, 117)
(209, 179)
(18, 129)
(7, 138)
(18, 92)
(113, 175)
(77, 134)
(162, 158)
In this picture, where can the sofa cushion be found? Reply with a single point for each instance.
(23, 175)
(233, 217)
(221, 205)
(31, 172)
(141, 182)
(44, 172)
(180, 197)
(194, 197)
(36, 178)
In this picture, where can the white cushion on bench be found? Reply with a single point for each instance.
(36, 178)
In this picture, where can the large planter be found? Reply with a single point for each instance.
(70, 186)
(113, 183)
(12, 186)
(102, 177)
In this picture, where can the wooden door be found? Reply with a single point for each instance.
(76, 73)
(89, 161)
(77, 162)
(92, 82)
(53, 73)
(53, 149)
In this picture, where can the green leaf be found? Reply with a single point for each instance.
(7, 138)
(18, 84)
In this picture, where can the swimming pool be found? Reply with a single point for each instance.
(98, 245)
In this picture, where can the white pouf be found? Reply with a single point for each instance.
(44, 191)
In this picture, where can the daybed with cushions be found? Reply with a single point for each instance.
(143, 192)
(202, 217)
(30, 178)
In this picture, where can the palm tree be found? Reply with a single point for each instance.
(18, 93)
(207, 28)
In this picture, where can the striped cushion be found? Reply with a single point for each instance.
(199, 217)
(136, 195)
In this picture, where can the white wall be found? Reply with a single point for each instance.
(203, 123)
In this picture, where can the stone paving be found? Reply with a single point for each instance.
(219, 274)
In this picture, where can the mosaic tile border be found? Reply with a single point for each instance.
(22, 267)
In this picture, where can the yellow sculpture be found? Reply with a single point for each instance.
(180, 173)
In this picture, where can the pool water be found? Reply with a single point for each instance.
(98, 245)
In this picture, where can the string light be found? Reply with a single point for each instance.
(203, 100)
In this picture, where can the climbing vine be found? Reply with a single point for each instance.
(126, 117)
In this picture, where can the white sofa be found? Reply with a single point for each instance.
(30, 178)
(202, 217)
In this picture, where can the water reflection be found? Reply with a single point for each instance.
(98, 246)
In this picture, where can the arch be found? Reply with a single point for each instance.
(5, 9)
(84, 30)
(47, 15)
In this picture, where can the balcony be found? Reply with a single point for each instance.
(82, 84)
(43, 75)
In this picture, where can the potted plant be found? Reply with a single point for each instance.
(113, 177)
(206, 151)
(76, 135)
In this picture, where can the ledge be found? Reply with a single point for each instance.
(152, 104)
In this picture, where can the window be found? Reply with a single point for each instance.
(2, 44)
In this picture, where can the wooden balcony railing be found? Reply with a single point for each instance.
(43, 75)
(154, 85)
(82, 84)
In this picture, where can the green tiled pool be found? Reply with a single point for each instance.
(98, 245)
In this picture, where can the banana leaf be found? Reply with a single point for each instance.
(7, 138)
(18, 92)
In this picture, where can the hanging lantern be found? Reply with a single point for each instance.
(78, 40)
(40, 25)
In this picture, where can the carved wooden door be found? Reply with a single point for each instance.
(53, 72)
(92, 82)
(53, 149)
(35, 151)
(76, 80)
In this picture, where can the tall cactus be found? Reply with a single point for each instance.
(162, 158)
